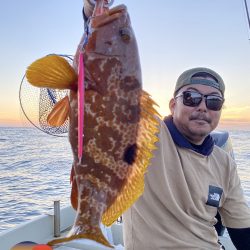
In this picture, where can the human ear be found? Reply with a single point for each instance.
(171, 105)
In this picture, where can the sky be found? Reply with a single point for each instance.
(172, 36)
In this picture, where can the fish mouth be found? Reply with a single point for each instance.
(107, 16)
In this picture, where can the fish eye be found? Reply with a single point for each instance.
(125, 34)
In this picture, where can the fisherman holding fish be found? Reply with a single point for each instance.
(189, 178)
(113, 130)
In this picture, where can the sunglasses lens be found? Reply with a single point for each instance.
(192, 99)
(214, 103)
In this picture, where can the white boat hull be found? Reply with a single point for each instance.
(41, 230)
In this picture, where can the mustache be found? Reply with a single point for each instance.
(200, 117)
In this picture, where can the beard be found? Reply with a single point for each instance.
(198, 133)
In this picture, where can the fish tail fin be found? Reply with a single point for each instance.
(76, 233)
(52, 71)
(146, 139)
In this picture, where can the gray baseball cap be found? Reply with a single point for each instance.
(203, 76)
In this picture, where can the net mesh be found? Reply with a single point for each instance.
(37, 103)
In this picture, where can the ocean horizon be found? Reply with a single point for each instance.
(225, 124)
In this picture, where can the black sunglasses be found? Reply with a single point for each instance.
(193, 99)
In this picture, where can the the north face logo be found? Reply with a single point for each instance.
(214, 196)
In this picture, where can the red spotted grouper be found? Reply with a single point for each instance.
(119, 121)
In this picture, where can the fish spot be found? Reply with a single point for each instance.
(130, 154)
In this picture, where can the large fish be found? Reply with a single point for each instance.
(119, 121)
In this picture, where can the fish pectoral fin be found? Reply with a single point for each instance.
(52, 71)
(59, 113)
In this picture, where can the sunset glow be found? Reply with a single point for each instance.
(184, 38)
(233, 117)
(240, 114)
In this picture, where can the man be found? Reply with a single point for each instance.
(189, 178)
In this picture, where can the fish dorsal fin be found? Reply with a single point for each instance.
(59, 113)
(146, 138)
(52, 71)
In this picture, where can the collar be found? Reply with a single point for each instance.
(205, 148)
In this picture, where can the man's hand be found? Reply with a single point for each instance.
(88, 7)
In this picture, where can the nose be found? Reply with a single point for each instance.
(202, 106)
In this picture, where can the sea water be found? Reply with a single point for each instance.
(35, 170)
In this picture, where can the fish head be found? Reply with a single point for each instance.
(110, 32)
(111, 44)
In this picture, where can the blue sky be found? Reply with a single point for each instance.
(172, 36)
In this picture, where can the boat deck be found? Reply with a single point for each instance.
(41, 231)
